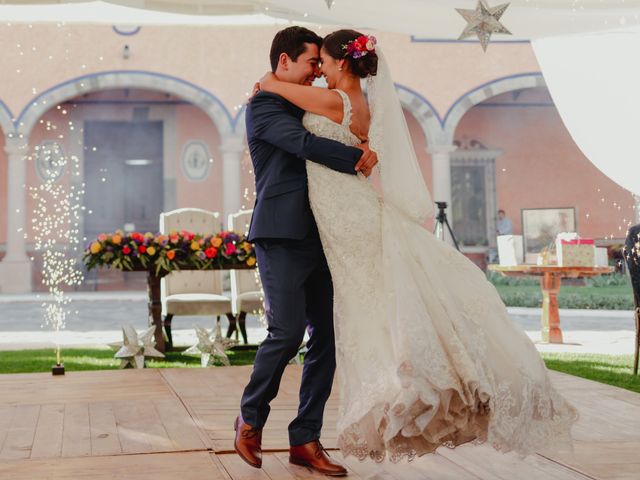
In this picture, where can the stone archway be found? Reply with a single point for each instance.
(198, 96)
(484, 92)
(422, 110)
(20, 131)
(6, 119)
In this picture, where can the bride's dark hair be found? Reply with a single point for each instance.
(335, 45)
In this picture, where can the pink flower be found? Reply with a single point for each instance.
(230, 248)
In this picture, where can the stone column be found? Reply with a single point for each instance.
(232, 149)
(637, 209)
(15, 268)
(441, 167)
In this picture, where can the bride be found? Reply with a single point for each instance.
(428, 356)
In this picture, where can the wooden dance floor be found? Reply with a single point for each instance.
(177, 424)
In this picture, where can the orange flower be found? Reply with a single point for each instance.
(116, 239)
(171, 254)
(251, 261)
(216, 242)
(95, 247)
(195, 245)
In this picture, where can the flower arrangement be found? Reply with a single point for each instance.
(166, 253)
(360, 46)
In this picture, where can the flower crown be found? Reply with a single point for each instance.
(360, 46)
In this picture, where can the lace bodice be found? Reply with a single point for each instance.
(324, 127)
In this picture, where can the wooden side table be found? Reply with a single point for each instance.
(550, 281)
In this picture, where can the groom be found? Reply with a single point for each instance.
(295, 277)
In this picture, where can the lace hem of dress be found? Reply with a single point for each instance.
(398, 429)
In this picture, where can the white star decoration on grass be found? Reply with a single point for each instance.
(134, 348)
(210, 346)
(483, 22)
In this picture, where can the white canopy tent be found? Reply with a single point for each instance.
(527, 19)
(584, 47)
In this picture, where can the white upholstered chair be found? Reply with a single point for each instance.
(192, 292)
(246, 290)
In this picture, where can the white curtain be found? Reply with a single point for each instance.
(594, 80)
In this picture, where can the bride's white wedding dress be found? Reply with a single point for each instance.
(427, 354)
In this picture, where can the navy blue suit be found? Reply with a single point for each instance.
(293, 270)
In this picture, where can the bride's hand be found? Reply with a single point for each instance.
(267, 79)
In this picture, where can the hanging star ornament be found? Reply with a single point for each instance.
(483, 22)
(211, 346)
(134, 348)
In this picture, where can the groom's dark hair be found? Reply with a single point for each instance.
(291, 41)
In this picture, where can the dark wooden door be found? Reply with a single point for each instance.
(123, 176)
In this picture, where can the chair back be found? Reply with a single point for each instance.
(242, 281)
(194, 220)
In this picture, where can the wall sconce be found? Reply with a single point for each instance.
(126, 52)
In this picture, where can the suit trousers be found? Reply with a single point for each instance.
(298, 295)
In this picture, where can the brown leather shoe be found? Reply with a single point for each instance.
(313, 455)
(248, 442)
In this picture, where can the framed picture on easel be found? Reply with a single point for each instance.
(541, 225)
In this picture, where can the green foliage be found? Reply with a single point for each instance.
(606, 292)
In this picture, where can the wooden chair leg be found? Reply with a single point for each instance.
(232, 324)
(242, 320)
(167, 329)
(637, 346)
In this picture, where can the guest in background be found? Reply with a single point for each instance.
(504, 225)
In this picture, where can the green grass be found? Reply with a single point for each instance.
(74, 359)
(610, 369)
(614, 370)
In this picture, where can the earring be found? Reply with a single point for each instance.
(339, 69)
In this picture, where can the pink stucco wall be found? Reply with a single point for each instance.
(542, 167)
(194, 124)
(3, 192)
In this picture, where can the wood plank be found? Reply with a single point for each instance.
(238, 469)
(432, 467)
(76, 437)
(103, 429)
(487, 463)
(103, 385)
(184, 465)
(19, 439)
(274, 468)
(48, 437)
(6, 417)
(179, 425)
(367, 468)
(301, 473)
(129, 435)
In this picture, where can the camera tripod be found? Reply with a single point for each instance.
(442, 222)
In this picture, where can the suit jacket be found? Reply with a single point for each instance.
(279, 146)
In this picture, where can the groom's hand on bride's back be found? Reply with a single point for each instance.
(368, 160)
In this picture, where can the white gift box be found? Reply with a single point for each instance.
(510, 250)
(573, 251)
